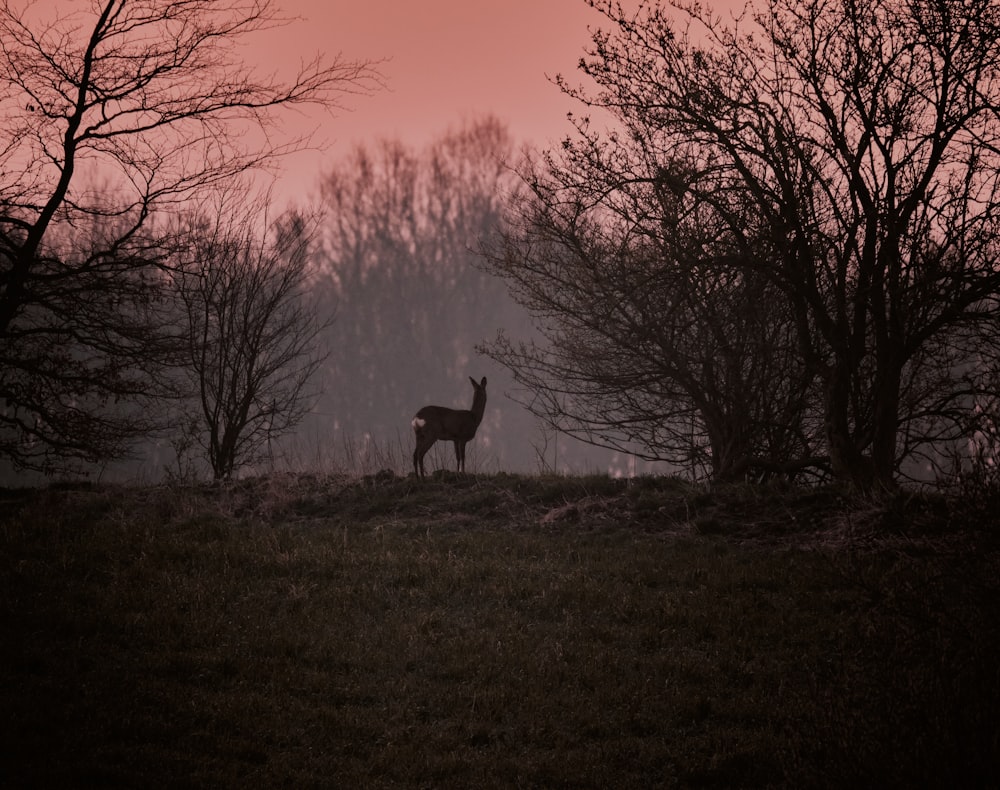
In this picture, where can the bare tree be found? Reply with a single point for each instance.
(111, 113)
(659, 337)
(252, 332)
(863, 139)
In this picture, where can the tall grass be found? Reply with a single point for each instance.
(494, 631)
(359, 456)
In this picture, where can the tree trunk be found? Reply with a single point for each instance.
(847, 462)
(885, 423)
(730, 447)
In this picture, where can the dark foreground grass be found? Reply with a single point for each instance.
(495, 632)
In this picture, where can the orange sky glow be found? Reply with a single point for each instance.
(446, 61)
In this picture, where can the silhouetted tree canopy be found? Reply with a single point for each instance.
(112, 114)
(657, 331)
(827, 173)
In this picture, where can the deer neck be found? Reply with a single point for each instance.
(478, 406)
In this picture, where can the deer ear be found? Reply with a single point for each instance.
(483, 384)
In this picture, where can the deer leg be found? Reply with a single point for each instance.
(423, 445)
(460, 455)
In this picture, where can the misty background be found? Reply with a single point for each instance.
(394, 272)
(397, 267)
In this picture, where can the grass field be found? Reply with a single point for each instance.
(496, 631)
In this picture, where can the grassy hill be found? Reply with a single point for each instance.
(496, 631)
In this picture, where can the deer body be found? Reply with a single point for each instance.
(455, 425)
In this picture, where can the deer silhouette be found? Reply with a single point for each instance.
(455, 425)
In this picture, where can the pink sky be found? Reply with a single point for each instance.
(447, 60)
